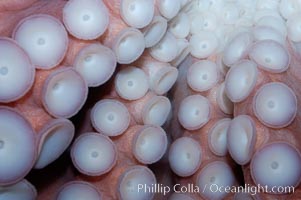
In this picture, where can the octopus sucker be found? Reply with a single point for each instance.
(150, 99)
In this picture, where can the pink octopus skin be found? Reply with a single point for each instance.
(176, 94)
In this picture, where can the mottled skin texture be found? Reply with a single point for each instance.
(49, 180)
